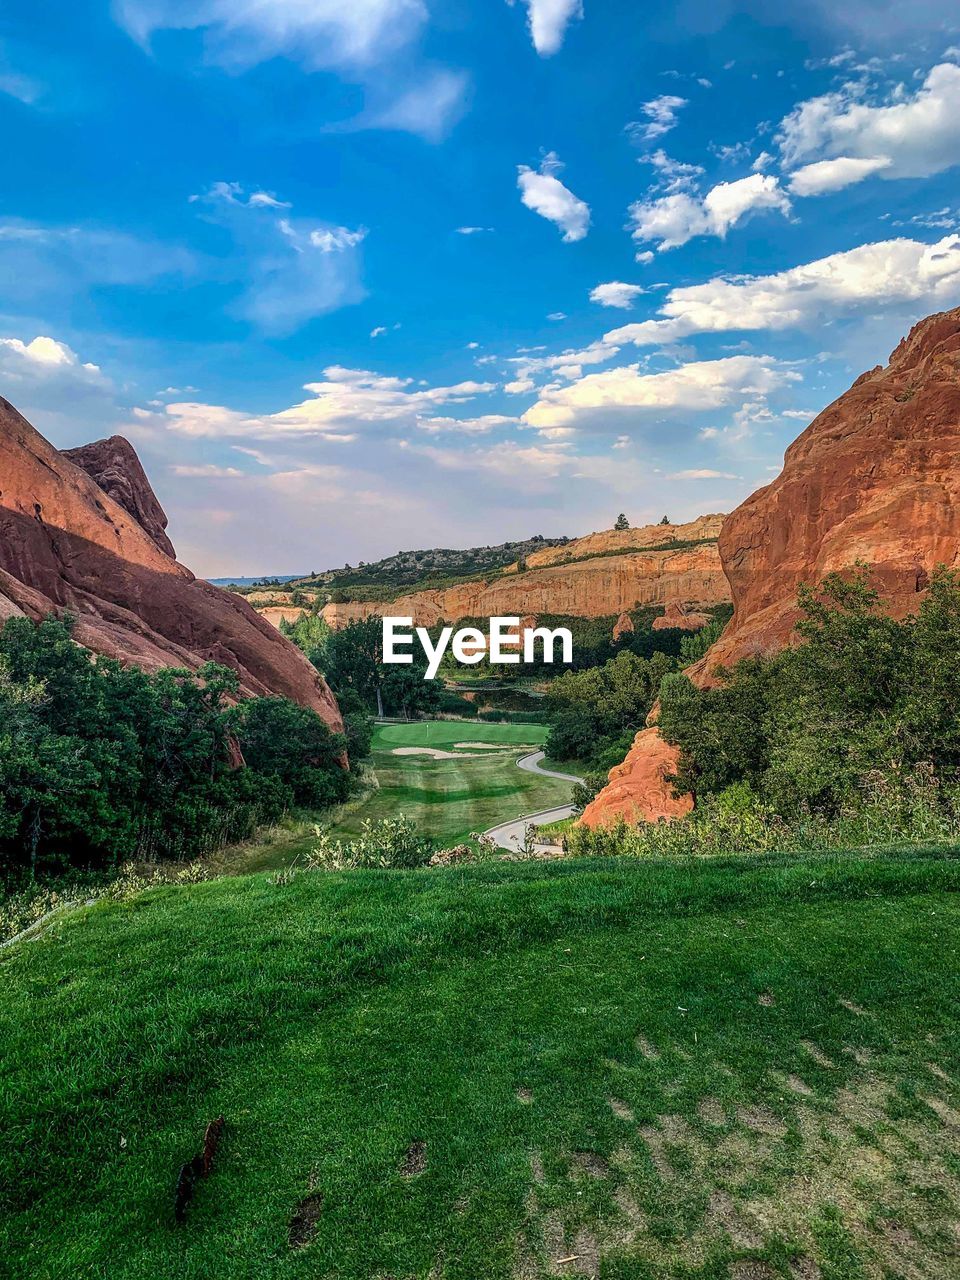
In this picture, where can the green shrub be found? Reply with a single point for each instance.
(391, 842)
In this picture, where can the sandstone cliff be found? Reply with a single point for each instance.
(72, 541)
(874, 478)
(591, 577)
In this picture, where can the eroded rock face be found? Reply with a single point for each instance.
(874, 478)
(622, 627)
(68, 546)
(638, 790)
(677, 618)
(114, 465)
(592, 577)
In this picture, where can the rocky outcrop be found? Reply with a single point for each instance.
(591, 577)
(622, 627)
(638, 790)
(875, 479)
(114, 465)
(67, 546)
(676, 617)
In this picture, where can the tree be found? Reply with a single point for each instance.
(863, 701)
(590, 710)
(621, 522)
(282, 740)
(352, 660)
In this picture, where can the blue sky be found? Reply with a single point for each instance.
(403, 273)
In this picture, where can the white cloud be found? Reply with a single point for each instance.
(53, 387)
(672, 220)
(206, 471)
(616, 294)
(568, 364)
(379, 331)
(466, 426)
(428, 108)
(645, 256)
(293, 268)
(335, 239)
(549, 20)
(696, 387)
(917, 134)
(47, 352)
(702, 473)
(661, 117)
(675, 175)
(50, 264)
(472, 231)
(20, 87)
(345, 403)
(823, 176)
(887, 272)
(543, 192)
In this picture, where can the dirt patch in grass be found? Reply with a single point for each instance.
(414, 1159)
(762, 1120)
(711, 1112)
(306, 1218)
(620, 1109)
(817, 1054)
(589, 1164)
(649, 1051)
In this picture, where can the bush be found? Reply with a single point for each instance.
(391, 842)
(916, 811)
(451, 704)
(292, 745)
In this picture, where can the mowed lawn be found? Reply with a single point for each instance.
(738, 1070)
(450, 798)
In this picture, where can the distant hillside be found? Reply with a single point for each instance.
(416, 568)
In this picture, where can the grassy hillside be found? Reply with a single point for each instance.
(736, 1069)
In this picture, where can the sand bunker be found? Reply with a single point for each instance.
(436, 753)
(498, 746)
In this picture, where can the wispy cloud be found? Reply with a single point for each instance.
(659, 117)
(293, 268)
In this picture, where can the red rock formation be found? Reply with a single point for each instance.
(114, 465)
(622, 627)
(68, 546)
(638, 790)
(676, 617)
(874, 478)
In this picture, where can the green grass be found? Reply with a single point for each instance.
(738, 1068)
(448, 799)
